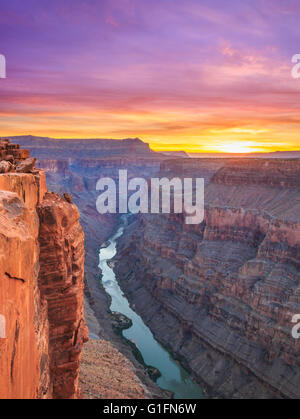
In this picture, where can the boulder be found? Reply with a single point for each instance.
(9, 158)
(26, 166)
(5, 166)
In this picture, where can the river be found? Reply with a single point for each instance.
(173, 376)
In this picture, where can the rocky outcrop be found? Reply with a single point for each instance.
(26, 166)
(12, 152)
(5, 166)
(41, 289)
(222, 294)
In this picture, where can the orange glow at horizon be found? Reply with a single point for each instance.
(239, 147)
(212, 144)
(163, 129)
(208, 142)
(160, 131)
(233, 147)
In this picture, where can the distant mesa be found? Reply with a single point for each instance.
(93, 148)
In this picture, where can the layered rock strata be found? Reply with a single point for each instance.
(221, 295)
(41, 289)
(61, 282)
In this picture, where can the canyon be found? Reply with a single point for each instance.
(42, 290)
(78, 177)
(219, 296)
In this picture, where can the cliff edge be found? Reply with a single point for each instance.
(42, 324)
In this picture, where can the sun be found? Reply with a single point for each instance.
(239, 147)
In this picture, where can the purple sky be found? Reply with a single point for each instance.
(193, 74)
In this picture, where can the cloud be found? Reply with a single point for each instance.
(172, 70)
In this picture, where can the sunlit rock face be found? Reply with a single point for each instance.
(41, 288)
(24, 346)
(222, 294)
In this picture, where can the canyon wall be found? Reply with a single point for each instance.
(221, 295)
(41, 290)
(78, 174)
(117, 374)
(61, 281)
(79, 177)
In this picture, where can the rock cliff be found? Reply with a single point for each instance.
(41, 290)
(221, 295)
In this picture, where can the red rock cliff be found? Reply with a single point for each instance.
(42, 325)
(61, 283)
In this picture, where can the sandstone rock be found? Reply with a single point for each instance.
(10, 158)
(41, 287)
(5, 166)
(26, 166)
(30, 188)
(12, 152)
(68, 197)
(25, 348)
(61, 283)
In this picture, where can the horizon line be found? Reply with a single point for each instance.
(159, 148)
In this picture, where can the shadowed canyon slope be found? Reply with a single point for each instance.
(222, 294)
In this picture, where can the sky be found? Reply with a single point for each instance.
(193, 75)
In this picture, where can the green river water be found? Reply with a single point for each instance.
(173, 377)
